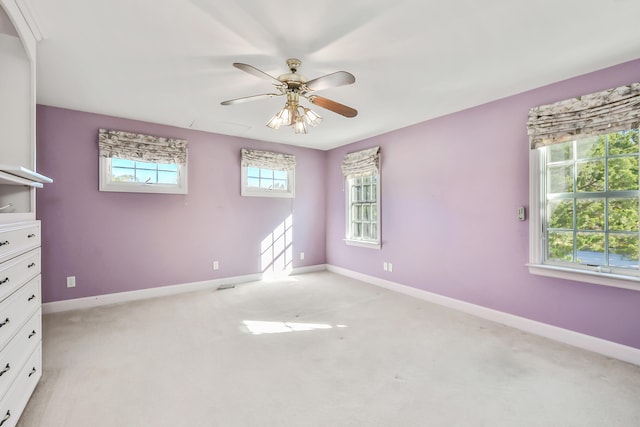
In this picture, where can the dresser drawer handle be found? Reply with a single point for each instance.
(5, 370)
(6, 242)
(31, 235)
(4, 323)
(31, 297)
(33, 371)
(33, 264)
(32, 334)
(3, 281)
(6, 418)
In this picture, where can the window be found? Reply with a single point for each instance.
(585, 201)
(267, 174)
(362, 189)
(142, 177)
(139, 163)
(362, 204)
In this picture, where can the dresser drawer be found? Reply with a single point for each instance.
(16, 399)
(16, 239)
(15, 354)
(17, 271)
(17, 309)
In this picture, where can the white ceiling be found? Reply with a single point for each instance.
(169, 61)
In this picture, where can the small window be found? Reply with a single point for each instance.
(126, 175)
(267, 174)
(263, 182)
(138, 163)
(363, 211)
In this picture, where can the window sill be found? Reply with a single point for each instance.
(594, 277)
(362, 244)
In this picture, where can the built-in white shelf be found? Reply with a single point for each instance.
(19, 175)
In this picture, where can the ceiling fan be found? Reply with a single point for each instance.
(293, 86)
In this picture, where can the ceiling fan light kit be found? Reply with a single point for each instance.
(294, 86)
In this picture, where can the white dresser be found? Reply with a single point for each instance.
(20, 318)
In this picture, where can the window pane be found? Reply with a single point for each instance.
(266, 183)
(253, 172)
(168, 167)
(357, 193)
(266, 173)
(623, 250)
(590, 248)
(623, 214)
(588, 148)
(355, 212)
(374, 231)
(560, 152)
(560, 245)
(560, 214)
(122, 175)
(356, 227)
(590, 214)
(374, 212)
(167, 178)
(121, 163)
(560, 179)
(366, 230)
(146, 175)
(280, 175)
(146, 165)
(623, 173)
(279, 184)
(625, 142)
(366, 209)
(366, 193)
(253, 182)
(590, 176)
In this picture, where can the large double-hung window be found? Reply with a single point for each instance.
(362, 187)
(585, 188)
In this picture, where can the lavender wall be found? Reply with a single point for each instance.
(450, 190)
(115, 242)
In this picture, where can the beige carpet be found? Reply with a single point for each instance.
(315, 350)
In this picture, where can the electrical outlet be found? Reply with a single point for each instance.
(216, 265)
(71, 281)
(301, 255)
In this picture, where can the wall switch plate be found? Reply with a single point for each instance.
(71, 282)
(522, 213)
(385, 266)
(216, 265)
(301, 255)
(390, 267)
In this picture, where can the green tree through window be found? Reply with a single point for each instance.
(592, 201)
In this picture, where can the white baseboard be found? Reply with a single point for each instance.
(576, 339)
(115, 298)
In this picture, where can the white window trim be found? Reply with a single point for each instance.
(355, 242)
(536, 265)
(265, 192)
(139, 187)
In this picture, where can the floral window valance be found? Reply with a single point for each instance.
(589, 115)
(364, 162)
(136, 146)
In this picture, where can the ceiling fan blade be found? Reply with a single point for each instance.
(339, 78)
(334, 106)
(249, 98)
(258, 73)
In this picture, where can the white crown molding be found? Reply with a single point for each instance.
(27, 13)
